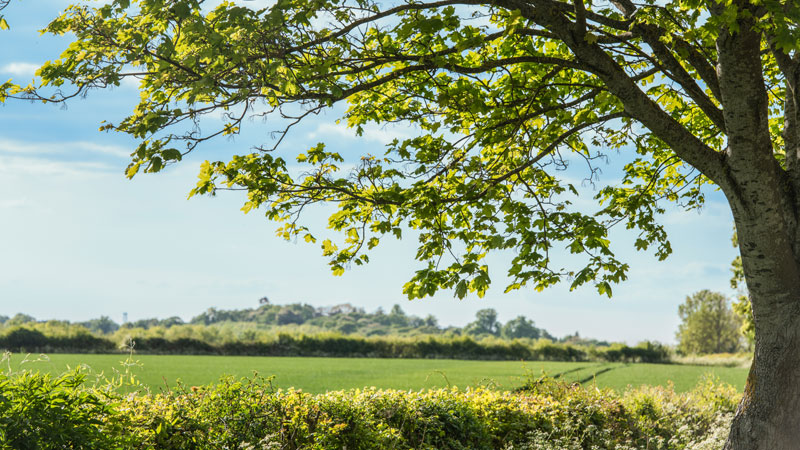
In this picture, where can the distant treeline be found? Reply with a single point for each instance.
(343, 319)
(303, 330)
(30, 338)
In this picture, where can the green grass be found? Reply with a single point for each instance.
(317, 375)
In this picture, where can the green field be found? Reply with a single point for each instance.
(317, 375)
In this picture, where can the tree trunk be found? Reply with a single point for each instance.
(768, 416)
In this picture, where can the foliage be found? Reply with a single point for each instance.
(101, 325)
(46, 339)
(58, 337)
(485, 323)
(500, 104)
(298, 318)
(3, 26)
(250, 414)
(20, 319)
(521, 327)
(39, 412)
(708, 324)
(744, 311)
(742, 360)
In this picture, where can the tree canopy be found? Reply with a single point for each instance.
(499, 98)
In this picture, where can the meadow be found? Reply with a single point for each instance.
(319, 375)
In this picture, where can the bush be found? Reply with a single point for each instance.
(207, 340)
(40, 412)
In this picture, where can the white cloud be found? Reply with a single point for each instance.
(382, 134)
(715, 210)
(15, 165)
(13, 203)
(19, 69)
(54, 148)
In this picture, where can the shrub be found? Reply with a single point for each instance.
(40, 412)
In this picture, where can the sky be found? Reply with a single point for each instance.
(78, 240)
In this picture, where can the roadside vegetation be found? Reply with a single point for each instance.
(64, 411)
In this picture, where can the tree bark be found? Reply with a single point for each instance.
(768, 416)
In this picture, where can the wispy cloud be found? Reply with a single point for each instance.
(13, 203)
(62, 148)
(19, 69)
(383, 135)
(17, 165)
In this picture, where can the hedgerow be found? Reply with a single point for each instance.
(29, 338)
(42, 412)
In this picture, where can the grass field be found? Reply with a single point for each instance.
(317, 375)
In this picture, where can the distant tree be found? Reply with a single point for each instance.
(398, 317)
(344, 308)
(207, 317)
(20, 319)
(709, 325)
(431, 321)
(520, 327)
(485, 323)
(102, 325)
(347, 327)
(3, 319)
(287, 316)
(170, 322)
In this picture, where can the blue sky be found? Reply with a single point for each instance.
(78, 240)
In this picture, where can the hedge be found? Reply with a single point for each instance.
(22, 340)
(40, 412)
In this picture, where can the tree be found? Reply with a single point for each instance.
(398, 317)
(430, 321)
(485, 323)
(287, 316)
(503, 93)
(709, 325)
(20, 319)
(520, 327)
(102, 325)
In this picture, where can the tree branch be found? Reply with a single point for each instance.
(637, 104)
